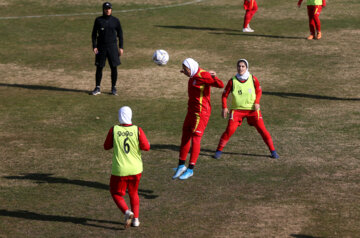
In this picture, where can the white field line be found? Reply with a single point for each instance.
(99, 13)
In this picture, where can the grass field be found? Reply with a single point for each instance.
(54, 172)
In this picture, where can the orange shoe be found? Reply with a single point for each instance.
(310, 37)
(318, 37)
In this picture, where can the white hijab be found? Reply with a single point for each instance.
(192, 65)
(125, 115)
(246, 75)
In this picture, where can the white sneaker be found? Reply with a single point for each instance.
(129, 215)
(135, 222)
(250, 28)
(247, 30)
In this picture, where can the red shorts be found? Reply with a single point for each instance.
(252, 116)
(196, 123)
(119, 184)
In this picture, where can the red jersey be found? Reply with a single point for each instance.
(143, 142)
(229, 87)
(199, 91)
(249, 4)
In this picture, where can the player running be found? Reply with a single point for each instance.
(199, 110)
(250, 7)
(314, 8)
(127, 140)
(246, 93)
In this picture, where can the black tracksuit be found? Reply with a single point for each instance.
(105, 32)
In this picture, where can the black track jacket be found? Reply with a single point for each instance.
(105, 31)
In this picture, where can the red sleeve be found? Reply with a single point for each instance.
(109, 141)
(324, 3)
(258, 90)
(299, 2)
(226, 93)
(143, 141)
(218, 83)
(206, 78)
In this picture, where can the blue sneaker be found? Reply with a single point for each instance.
(188, 173)
(179, 171)
(217, 154)
(274, 155)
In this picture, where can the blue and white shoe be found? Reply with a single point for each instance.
(274, 155)
(188, 173)
(217, 154)
(179, 171)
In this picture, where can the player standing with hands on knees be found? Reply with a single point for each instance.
(250, 7)
(246, 93)
(105, 32)
(198, 114)
(314, 8)
(127, 140)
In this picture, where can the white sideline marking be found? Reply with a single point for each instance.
(97, 13)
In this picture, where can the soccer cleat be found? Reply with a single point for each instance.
(250, 28)
(129, 215)
(135, 222)
(113, 91)
(310, 37)
(274, 155)
(96, 91)
(179, 171)
(217, 154)
(188, 173)
(318, 37)
(247, 29)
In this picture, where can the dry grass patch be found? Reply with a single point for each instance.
(154, 82)
(270, 220)
(97, 3)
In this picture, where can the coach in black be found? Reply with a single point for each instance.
(105, 32)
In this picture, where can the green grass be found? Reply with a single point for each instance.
(54, 172)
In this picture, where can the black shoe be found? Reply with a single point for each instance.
(96, 91)
(113, 91)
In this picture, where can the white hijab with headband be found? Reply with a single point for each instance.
(192, 65)
(246, 75)
(125, 115)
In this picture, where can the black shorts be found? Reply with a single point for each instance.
(111, 52)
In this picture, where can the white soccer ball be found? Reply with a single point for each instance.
(160, 57)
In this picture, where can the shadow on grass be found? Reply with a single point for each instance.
(208, 152)
(303, 236)
(55, 218)
(240, 33)
(260, 35)
(304, 95)
(279, 94)
(47, 178)
(43, 87)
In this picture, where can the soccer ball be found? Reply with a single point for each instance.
(160, 57)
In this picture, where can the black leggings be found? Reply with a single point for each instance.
(98, 76)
